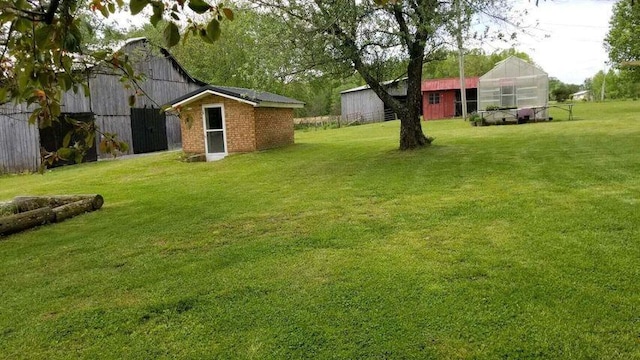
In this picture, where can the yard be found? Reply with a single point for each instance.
(495, 242)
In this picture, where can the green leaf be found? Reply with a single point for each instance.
(155, 19)
(104, 11)
(158, 10)
(67, 63)
(100, 55)
(171, 34)
(6, 17)
(228, 13)
(34, 116)
(213, 30)
(43, 36)
(67, 139)
(24, 77)
(64, 153)
(199, 6)
(136, 6)
(79, 157)
(128, 69)
(65, 81)
(55, 109)
(204, 37)
(111, 7)
(22, 25)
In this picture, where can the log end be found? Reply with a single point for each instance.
(97, 202)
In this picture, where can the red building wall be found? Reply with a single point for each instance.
(445, 108)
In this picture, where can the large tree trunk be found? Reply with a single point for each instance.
(411, 135)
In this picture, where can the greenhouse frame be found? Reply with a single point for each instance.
(514, 90)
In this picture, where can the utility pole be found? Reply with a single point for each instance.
(463, 87)
(604, 80)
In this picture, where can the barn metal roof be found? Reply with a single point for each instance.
(366, 87)
(168, 55)
(449, 84)
(255, 98)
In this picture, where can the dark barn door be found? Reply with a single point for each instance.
(148, 130)
(52, 137)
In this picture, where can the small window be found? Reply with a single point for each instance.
(434, 98)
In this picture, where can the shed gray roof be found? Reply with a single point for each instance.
(252, 97)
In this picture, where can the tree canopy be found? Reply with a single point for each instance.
(623, 39)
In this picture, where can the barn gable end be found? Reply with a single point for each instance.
(109, 102)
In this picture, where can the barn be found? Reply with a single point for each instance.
(363, 104)
(221, 120)
(513, 91)
(144, 127)
(441, 98)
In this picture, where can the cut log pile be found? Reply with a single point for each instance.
(25, 212)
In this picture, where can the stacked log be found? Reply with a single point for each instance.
(25, 212)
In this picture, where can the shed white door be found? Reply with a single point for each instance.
(214, 132)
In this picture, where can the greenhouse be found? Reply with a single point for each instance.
(513, 91)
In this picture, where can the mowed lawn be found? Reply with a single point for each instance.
(506, 242)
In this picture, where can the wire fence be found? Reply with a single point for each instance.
(336, 121)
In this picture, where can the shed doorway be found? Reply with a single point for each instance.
(214, 132)
(148, 130)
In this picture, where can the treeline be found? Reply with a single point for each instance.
(251, 55)
(618, 84)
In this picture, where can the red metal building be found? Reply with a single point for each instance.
(441, 97)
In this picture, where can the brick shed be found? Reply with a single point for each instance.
(220, 120)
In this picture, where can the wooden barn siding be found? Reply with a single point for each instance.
(110, 101)
(364, 104)
(19, 141)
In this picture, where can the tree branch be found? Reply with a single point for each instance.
(51, 11)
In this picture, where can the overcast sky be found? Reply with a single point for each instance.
(574, 49)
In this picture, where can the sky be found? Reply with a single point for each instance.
(573, 50)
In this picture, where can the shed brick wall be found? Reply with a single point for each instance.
(274, 127)
(239, 125)
(247, 128)
(191, 127)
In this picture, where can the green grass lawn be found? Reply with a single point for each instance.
(495, 242)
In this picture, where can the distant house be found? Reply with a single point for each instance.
(220, 120)
(584, 95)
(363, 104)
(144, 127)
(441, 98)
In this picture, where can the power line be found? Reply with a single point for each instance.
(575, 25)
